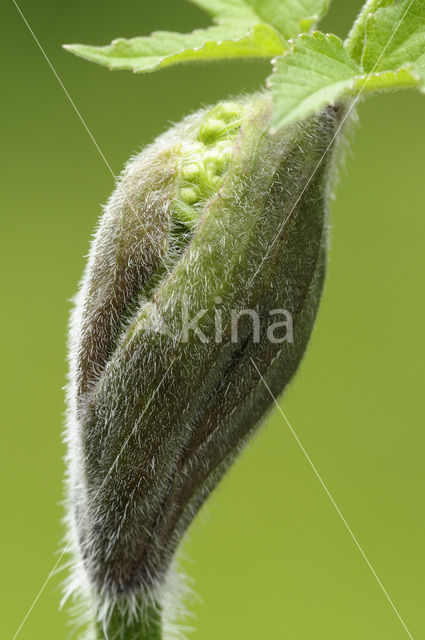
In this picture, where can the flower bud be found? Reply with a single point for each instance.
(222, 224)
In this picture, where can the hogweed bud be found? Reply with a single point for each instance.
(217, 226)
(213, 243)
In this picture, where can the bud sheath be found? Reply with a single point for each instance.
(217, 219)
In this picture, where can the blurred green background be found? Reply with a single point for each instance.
(269, 556)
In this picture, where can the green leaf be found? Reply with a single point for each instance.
(356, 38)
(407, 77)
(243, 29)
(164, 48)
(229, 11)
(289, 17)
(395, 36)
(239, 33)
(318, 71)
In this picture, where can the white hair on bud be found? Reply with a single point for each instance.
(153, 423)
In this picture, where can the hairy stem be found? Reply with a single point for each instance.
(148, 627)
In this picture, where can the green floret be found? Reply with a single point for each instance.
(205, 160)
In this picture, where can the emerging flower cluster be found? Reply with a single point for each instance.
(205, 161)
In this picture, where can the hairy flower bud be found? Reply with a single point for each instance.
(214, 230)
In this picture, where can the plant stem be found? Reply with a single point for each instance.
(147, 627)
